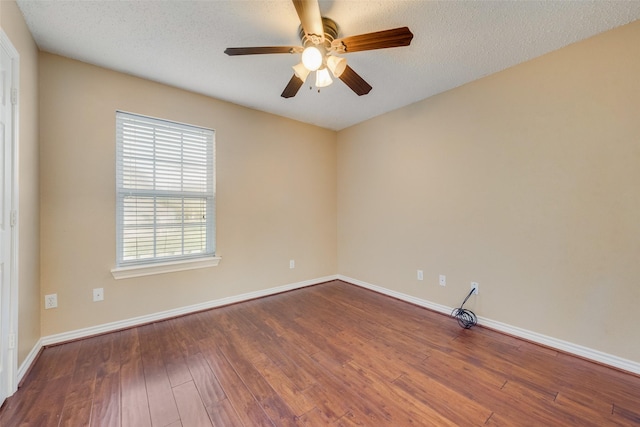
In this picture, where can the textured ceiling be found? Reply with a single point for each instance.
(181, 43)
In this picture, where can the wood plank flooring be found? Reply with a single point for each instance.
(332, 354)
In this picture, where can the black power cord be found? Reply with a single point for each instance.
(466, 318)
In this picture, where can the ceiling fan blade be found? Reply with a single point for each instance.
(310, 18)
(233, 51)
(355, 82)
(292, 87)
(378, 40)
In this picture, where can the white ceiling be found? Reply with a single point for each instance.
(181, 43)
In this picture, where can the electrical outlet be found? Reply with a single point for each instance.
(98, 294)
(420, 275)
(292, 263)
(443, 280)
(50, 301)
(475, 286)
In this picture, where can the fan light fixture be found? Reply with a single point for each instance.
(323, 78)
(301, 71)
(337, 65)
(319, 44)
(312, 58)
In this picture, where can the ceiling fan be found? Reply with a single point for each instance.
(320, 49)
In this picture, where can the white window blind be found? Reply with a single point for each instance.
(165, 190)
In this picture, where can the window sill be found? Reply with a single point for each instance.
(165, 267)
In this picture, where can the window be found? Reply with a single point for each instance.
(165, 189)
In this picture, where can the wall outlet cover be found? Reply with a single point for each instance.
(476, 286)
(50, 301)
(98, 294)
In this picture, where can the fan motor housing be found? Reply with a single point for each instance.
(330, 33)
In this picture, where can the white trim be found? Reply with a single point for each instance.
(404, 297)
(568, 347)
(581, 351)
(5, 41)
(28, 361)
(163, 315)
(565, 346)
(164, 267)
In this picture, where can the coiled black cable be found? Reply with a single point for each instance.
(466, 318)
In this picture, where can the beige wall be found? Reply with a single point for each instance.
(276, 197)
(14, 26)
(527, 181)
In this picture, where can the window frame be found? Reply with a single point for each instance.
(156, 264)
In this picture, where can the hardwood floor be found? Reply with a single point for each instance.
(331, 354)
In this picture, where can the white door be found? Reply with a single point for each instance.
(7, 100)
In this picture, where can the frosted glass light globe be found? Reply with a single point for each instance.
(323, 79)
(312, 58)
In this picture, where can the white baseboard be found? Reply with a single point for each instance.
(404, 297)
(141, 320)
(565, 346)
(28, 361)
(585, 352)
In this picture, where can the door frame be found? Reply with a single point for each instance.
(12, 337)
